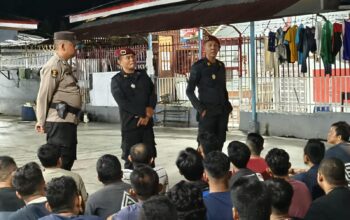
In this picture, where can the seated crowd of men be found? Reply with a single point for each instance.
(239, 185)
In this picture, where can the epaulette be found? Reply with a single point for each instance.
(117, 75)
(198, 62)
(140, 72)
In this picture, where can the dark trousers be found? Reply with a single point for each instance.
(214, 124)
(64, 135)
(143, 135)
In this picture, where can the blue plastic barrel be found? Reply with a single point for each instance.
(28, 113)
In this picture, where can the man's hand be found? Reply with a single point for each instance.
(294, 171)
(149, 112)
(143, 121)
(203, 113)
(39, 128)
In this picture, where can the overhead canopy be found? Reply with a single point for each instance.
(196, 14)
(11, 22)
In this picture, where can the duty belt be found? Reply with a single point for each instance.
(70, 109)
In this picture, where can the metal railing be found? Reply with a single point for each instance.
(284, 88)
(280, 88)
(171, 89)
(24, 59)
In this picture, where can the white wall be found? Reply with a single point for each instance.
(100, 94)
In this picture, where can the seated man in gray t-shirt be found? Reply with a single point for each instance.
(107, 200)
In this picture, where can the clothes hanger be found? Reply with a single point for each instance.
(321, 16)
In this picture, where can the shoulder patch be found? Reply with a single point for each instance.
(200, 61)
(117, 75)
(54, 73)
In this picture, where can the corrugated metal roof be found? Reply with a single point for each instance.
(203, 13)
(22, 40)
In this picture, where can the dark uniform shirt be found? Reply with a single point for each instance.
(210, 78)
(30, 212)
(334, 205)
(133, 93)
(9, 201)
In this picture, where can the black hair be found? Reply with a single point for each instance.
(238, 153)
(278, 161)
(217, 164)
(209, 142)
(342, 129)
(49, 155)
(108, 169)
(189, 163)
(144, 181)
(255, 143)
(140, 154)
(251, 199)
(315, 150)
(60, 194)
(333, 170)
(28, 179)
(188, 200)
(281, 193)
(7, 166)
(158, 208)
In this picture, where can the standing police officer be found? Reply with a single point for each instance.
(134, 92)
(59, 100)
(212, 105)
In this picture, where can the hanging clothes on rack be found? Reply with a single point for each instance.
(281, 50)
(346, 41)
(326, 47)
(272, 42)
(271, 58)
(290, 38)
(299, 39)
(286, 43)
(318, 37)
(336, 39)
(310, 36)
(308, 45)
(268, 56)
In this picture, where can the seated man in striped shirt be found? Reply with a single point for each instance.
(140, 155)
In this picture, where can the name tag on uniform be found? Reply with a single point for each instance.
(213, 76)
(133, 85)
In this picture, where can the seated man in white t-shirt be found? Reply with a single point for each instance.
(50, 158)
(140, 155)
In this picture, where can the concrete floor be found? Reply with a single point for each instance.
(19, 140)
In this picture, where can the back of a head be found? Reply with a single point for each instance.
(158, 208)
(188, 200)
(255, 143)
(281, 193)
(251, 199)
(61, 193)
(145, 182)
(7, 166)
(278, 161)
(342, 129)
(217, 165)
(333, 170)
(49, 155)
(189, 163)
(140, 154)
(28, 179)
(315, 150)
(108, 169)
(238, 153)
(209, 142)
